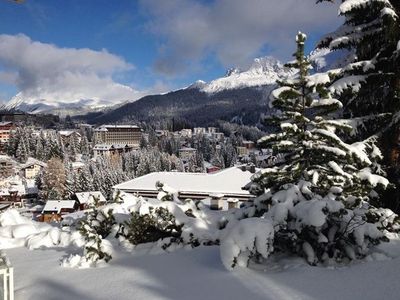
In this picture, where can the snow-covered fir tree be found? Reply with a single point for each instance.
(369, 84)
(318, 197)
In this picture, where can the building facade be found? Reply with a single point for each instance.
(110, 150)
(6, 129)
(187, 153)
(118, 135)
(32, 168)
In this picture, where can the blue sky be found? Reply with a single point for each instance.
(146, 46)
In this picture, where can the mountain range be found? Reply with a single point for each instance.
(240, 95)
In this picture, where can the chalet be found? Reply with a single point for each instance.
(55, 209)
(68, 135)
(225, 184)
(32, 168)
(87, 198)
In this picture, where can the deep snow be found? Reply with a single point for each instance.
(197, 274)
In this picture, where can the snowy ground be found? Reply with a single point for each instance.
(198, 274)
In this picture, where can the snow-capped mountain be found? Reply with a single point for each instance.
(239, 95)
(78, 106)
(263, 71)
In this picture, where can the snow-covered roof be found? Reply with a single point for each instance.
(88, 197)
(7, 158)
(13, 184)
(68, 132)
(228, 182)
(57, 205)
(33, 161)
(105, 127)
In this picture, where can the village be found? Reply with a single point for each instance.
(215, 184)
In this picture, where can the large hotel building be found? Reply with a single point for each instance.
(116, 139)
(118, 135)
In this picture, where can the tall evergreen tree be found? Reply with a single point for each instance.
(318, 196)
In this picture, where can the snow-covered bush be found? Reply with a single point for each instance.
(249, 239)
(95, 228)
(176, 224)
(158, 224)
(134, 221)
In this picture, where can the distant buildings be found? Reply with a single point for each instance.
(187, 153)
(186, 133)
(161, 133)
(242, 151)
(199, 130)
(205, 131)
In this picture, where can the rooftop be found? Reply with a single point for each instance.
(88, 197)
(32, 161)
(228, 182)
(106, 127)
(68, 132)
(57, 205)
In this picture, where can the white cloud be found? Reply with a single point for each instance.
(234, 30)
(45, 71)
